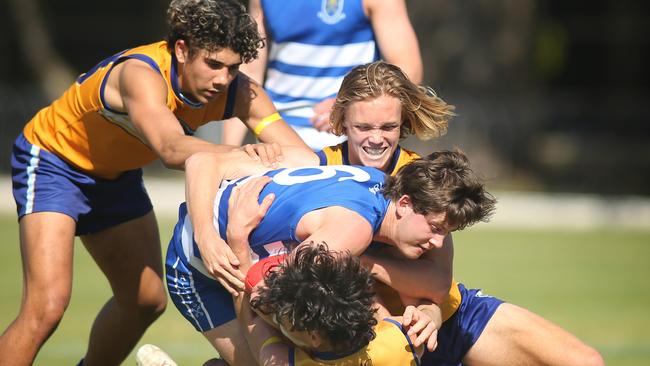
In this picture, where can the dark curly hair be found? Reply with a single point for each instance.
(443, 182)
(322, 291)
(212, 25)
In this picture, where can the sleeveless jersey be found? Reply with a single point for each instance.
(314, 45)
(297, 192)
(390, 347)
(338, 155)
(82, 129)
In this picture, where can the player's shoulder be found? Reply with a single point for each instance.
(331, 155)
(404, 157)
(391, 339)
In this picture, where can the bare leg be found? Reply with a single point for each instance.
(516, 336)
(46, 243)
(229, 341)
(129, 255)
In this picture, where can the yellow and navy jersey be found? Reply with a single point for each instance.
(81, 128)
(338, 155)
(390, 347)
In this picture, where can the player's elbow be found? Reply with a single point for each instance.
(195, 160)
(170, 157)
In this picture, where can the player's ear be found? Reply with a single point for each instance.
(181, 51)
(404, 205)
(317, 340)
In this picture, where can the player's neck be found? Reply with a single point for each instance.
(388, 228)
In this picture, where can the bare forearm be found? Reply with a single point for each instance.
(414, 278)
(174, 152)
(203, 175)
(396, 37)
(234, 132)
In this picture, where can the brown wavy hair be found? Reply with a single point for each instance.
(443, 182)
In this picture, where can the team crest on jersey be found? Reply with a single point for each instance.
(331, 11)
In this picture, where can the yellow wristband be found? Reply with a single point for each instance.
(271, 340)
(265, 122)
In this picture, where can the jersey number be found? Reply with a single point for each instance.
(325, 172)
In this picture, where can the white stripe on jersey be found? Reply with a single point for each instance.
(302, 54)
(304, 112)
(302, 86)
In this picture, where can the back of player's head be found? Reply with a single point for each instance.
(325, 292)
(443, 182)
(423, 112)
(213, 25)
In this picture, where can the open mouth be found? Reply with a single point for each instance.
(374, 151)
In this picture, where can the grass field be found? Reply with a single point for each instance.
(595, 284)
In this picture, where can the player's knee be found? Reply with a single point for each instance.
(48, 312)
(152, 306)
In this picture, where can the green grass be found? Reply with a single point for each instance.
(595, 284)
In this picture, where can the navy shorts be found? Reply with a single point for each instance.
(459, 333)
(43, 182)
(199, 297)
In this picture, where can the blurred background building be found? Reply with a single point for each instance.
(550, 95)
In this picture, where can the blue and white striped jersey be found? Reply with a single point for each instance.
(297, 192)
(314, 44)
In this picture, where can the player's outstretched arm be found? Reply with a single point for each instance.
(142, 93)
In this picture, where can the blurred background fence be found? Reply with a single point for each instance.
(550, 95)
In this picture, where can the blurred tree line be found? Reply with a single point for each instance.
(550, 95)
